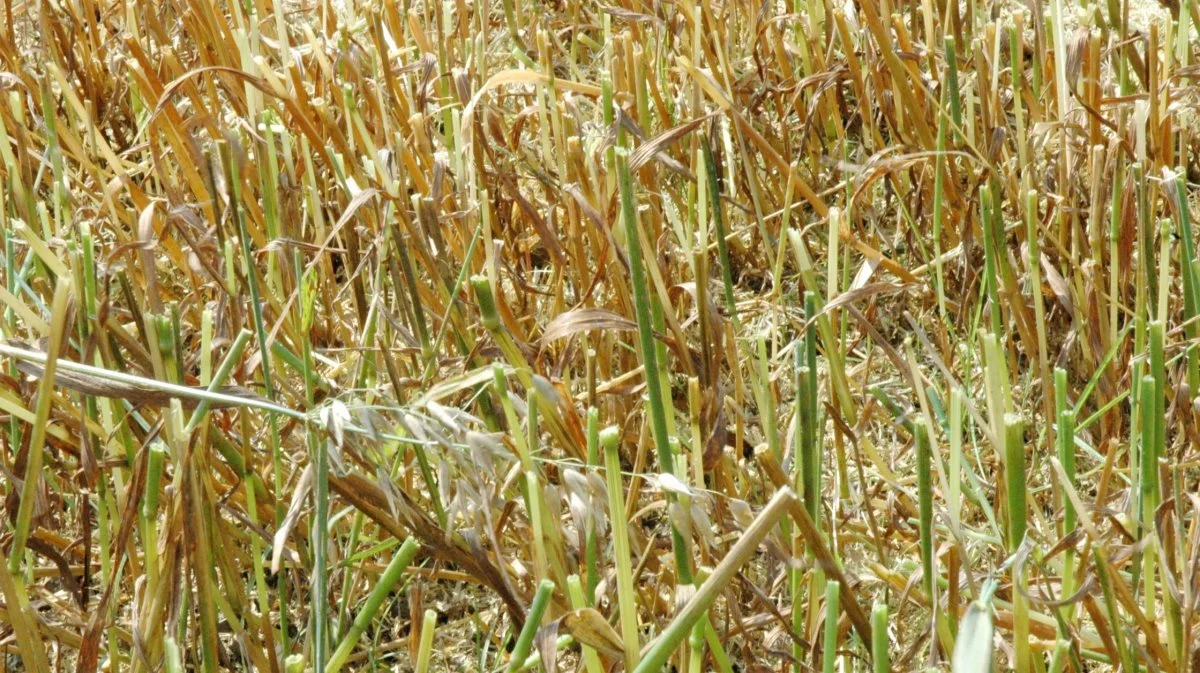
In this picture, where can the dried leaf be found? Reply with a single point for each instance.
(588, 627)
(457, 384)
(870, 290)
(585, 320)
(335, 416)
(299, 496)
(1057, 285)
(655, 146)
(669, 483)
(546, 640)
(142, 396)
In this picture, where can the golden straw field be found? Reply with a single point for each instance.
(553, 335)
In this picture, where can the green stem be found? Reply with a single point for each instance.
(362, 621)
(650, 364)
(533, 621)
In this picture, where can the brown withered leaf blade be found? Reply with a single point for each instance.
(87, 384)
(868, 291)
(1057, 284)
(295, 509)
(588, 627)
(658, 144)
(546, 640)
(584, 320)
